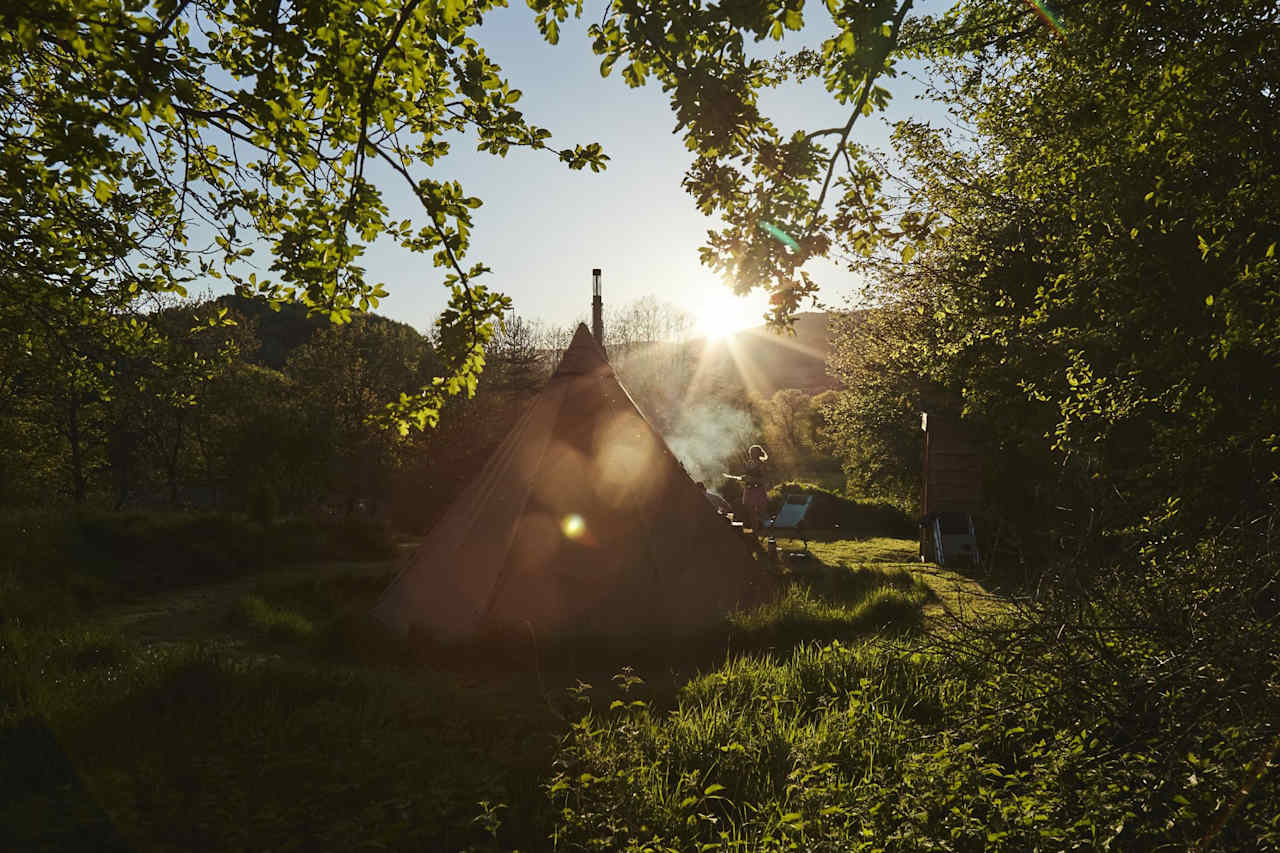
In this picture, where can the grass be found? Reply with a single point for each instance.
(833, 510)
(839, 607)
(268, 713)
(253, 740)
(834, 550)
(730, 765)
(254, 613)
(56, 567)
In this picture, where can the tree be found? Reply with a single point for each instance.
(344, 374)
(152, 142)
(875, 425)
(130, 130)
(516, 360)
(1098, 300)
(258, 437)
(1102, 296)
(783, 199)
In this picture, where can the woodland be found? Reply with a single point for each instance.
(200, 498)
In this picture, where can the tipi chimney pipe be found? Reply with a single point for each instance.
(597, 309)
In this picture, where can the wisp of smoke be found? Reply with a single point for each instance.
(706, 437)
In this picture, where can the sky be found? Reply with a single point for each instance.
(543, 228)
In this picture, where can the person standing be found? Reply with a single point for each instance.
(755, 492)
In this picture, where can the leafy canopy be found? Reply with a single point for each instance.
(146, 143)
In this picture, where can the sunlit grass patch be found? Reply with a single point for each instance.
(837, 591)
(759, 754)
(851, 552)
(803, 615)
(272, 621)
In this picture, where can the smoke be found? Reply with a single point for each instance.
(708, 437)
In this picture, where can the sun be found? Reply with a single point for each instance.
(715, 325)
(720, 312)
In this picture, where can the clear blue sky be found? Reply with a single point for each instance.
(542, 227)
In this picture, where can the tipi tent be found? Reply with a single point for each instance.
(582, 522)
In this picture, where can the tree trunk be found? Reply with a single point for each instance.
(171, 464)
(77, 459)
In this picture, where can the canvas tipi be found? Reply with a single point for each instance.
(582, 522)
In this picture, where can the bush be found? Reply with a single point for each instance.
(145, 551)
(854, 517)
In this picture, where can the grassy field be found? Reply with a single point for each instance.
(266, 712)
(950, 596)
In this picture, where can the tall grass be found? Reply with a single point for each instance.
(802, 615)
(872, 747)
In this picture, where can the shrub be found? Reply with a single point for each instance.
(855, 517)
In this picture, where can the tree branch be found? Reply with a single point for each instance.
(872, 75)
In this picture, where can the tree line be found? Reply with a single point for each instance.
(230, 404)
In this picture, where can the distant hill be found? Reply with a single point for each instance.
(764, 361)
(280, 332)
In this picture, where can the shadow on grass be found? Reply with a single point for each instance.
(317, 729)
(327, 621)
(820, 604)
(201, 749)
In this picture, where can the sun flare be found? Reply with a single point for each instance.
(715, 325)
(721, 312)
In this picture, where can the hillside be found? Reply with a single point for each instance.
(277, 332)
(764, 361)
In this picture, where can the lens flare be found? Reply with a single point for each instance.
(573, 525)
(781, 236)
(1046, 13)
